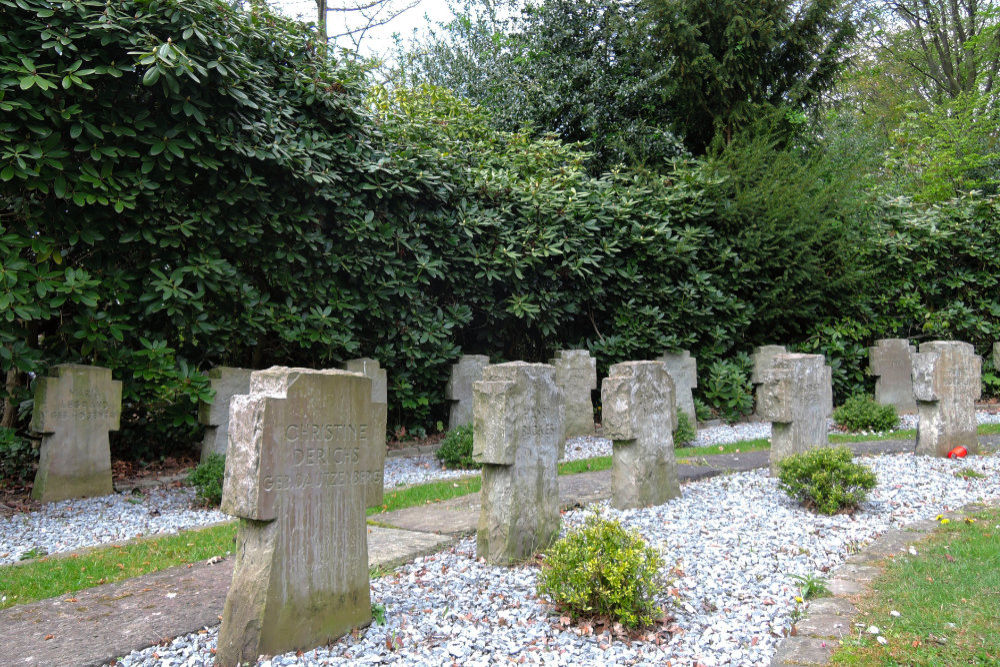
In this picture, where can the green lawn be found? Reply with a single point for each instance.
(57, 575)
(948, 599)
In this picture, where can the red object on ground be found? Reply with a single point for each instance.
(958, 453)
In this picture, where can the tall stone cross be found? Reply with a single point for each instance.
(683, 369)
(946, 383)
(891, 360)
(459, 388)
(763, 357)
(638, 416)
(796, 394)
(74, 410)
(227, 382)
(517, 430)
(375, 454)
(576, 375)
(297, 478)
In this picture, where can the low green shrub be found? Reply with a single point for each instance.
(17, 457)
(456, 449)
(684, 433)
(826, 479)
(862, 413)
(603, 570)
(702, 411)
(206, 478)
(728, 390)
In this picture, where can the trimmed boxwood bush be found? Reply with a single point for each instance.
(826, 479)
(862, 413)
(207, 478)
(684, 433)
(603, 570)
(456, 449)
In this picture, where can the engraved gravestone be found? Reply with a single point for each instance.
(638, 411)
(459, 389)
(891, 359)
(516, 434)
(375, 453)
(576, 375)
(946, 383)
(796, 394)
(74, 410)
(227, 382)
(297, 479)
(683, 369)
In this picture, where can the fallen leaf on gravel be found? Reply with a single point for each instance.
(47, 637)
(71, 600)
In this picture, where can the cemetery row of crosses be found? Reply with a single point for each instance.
(305, 452)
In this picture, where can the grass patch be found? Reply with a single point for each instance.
(585, 465)
(57, 575)
(948, 599)
(839, 438)
(431, 492)
(728, 448)
(989, 429)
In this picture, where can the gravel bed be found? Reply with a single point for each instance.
(732, 544)
(72, 524)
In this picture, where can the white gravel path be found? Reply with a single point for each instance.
(732, 544)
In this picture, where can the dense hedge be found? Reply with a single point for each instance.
(185, 184)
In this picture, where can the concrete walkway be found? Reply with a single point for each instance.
(93, 626)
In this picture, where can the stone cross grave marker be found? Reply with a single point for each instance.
(946, 383)
(459, 388)
(683, 369)
(375, 453)
(796, 394)
(227, 382)
(763, 357)
(576, 375)
(74, 410)
(297, 478)
(638, 416)
(891, 359)
(517, 430)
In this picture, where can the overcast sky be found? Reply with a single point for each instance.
(377, 42)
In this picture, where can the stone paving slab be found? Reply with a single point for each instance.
(109, 621)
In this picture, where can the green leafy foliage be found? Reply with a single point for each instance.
(701, 410)
(826, 479)
(862, 413)
(728, 390)
(684, 433)
(456, 449)
(603, 570)
(207, 478)
(17, 457)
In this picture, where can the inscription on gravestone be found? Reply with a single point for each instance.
(576, 375)
(638, 417)
(891, 360)
(74, 410)
(946, 383)
(227, 382)
(297, 478)
(683, 369)
(796, 394)
(375, 452)
(459, 389)
(516, 435)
